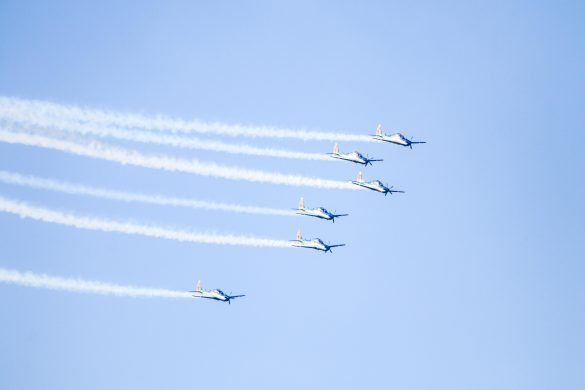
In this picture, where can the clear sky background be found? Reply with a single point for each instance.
(473, 279)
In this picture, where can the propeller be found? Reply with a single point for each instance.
(333, 217)
(410, 141)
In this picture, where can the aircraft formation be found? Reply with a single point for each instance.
(322, 213)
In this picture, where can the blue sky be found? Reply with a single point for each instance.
(472, 279)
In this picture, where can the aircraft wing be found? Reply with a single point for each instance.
(372, 159)
(236, 296)
(336, 245)
(401, 192)
(340, 215)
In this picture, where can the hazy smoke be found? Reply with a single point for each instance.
(41, 214)
(34, 110)
(131, 157)
(52, 185)
(29, 279)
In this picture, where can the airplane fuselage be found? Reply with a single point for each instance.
(354, 157)
(318, 213)
(374, 186)
(312, 244)
(215, 294)
(397, 139)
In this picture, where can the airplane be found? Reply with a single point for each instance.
(217, 295)
(355, 157)
(396, 138)
(315, 243)
(319, 212)
(375, 185)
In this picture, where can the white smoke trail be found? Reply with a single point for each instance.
(29, 279)
(131, 157)
(31, 119)
(41, 214)
(52, 185)
(13, 108)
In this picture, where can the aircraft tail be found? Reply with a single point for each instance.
(299, 236)
(199, 287)
(379, 131)
(360, 177)
(336, 149)
(302, 204)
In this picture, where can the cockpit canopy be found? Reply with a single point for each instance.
(355, 155)
(318, 241)
(322, 210)
(219, 292)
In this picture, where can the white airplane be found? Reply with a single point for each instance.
(375, 185)
(355, 157)
(319, 212)
(217, 295)
(315, 243)
(396, 138)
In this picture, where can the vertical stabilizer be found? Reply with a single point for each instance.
(299, 236)
(336, 149)
(302, 204)
(379, 131)
(360, 177)
(199, 287)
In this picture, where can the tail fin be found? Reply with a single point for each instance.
(336, 149)
(360, 177)
(379, 130)
(199, 287)
(299, 236)
(302, 203)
